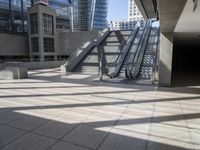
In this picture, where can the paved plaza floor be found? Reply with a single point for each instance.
(76, 112)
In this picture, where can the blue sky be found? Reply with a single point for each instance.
(117, 9)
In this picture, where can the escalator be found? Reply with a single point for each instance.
(113, 68)
(131, 53)
(117, 68)
(148, 67)
(144, 63)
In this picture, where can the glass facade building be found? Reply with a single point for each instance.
(13, 13)
(90, 14)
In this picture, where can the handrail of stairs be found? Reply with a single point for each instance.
(112, 69)
(80, 53)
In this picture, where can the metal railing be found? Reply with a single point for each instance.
(80, 53)
(132, 69)
(112, 69)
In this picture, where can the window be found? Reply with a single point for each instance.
(36, 58)
(35, 44)
(34, 23)
(49, 45)
(13, 15)
(48, 24)
(49, 58)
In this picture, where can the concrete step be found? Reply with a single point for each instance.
(145, 73)
(111, 49)
(88, 69)
(91, 59)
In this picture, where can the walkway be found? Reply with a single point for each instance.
(77, 112)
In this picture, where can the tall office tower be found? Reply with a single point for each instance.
(62, 8)
(90, 14)
(133, 11)
(13, 14)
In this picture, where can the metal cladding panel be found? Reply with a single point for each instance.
(148, 8)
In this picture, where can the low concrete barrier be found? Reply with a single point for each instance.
(13, 70)
(35, 65)
(43, 65)
(18, 70)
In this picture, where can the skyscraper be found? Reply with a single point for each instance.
(13, 13)
(133, 11)
(133, 16)
(90, 14)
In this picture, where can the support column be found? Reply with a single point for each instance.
(166, 56)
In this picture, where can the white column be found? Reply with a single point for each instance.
(166, 56)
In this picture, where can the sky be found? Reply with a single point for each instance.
(117, 9)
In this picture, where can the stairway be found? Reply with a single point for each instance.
(110, 47)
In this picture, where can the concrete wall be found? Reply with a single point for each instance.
(13, 45)
(66, 43)
(70, 41)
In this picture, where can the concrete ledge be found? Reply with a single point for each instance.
(13, 72)
(42, 65)
(18, 70)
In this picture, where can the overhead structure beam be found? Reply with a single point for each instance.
(148, 8)
(169, 13)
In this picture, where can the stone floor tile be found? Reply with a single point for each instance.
(99, 121)
(171, 134)
(86, 136)
(131, 113)
(163, 145)
(54, 129)
(28, 123)
(195, 134)
(9, 116)
(124, 140)
(74, 115)
(8, 134)
(135, 125)
(30, 142)
(66, 146)
(170, 119)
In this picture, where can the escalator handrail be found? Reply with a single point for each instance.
(128, 66)
(125, 48)
(132, 69)
(136, 65)
(76, 57)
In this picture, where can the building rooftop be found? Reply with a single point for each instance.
(77, 112)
